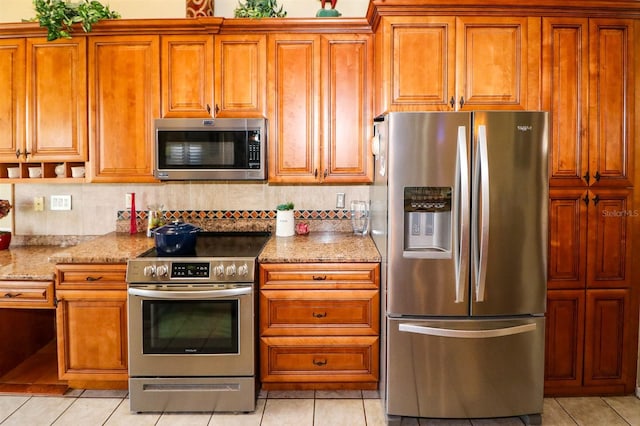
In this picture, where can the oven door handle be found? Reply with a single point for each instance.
(198, 294)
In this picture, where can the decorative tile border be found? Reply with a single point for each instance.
(238, 214)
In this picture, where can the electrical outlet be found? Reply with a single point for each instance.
(127, 201)
(340, 200)
(38, 204)
(60, 202)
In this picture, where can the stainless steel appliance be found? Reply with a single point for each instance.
(192, 326)
(459, 214)
(210, 149)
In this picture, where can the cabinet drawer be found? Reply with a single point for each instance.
(319, 275)
(319, 359)
(81, 276)
(26, 294)
(317, 312)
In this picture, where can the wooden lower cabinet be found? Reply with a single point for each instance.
(591, 342)
(319, 326)
(91, 323)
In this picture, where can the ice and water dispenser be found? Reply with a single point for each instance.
(427, 222)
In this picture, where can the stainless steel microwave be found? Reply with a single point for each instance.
(210, 149)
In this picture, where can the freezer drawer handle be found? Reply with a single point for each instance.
(467, 334)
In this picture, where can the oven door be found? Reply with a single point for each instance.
(191, 333)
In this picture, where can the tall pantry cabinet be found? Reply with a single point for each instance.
(588, 85)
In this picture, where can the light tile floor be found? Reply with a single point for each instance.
(280, 408)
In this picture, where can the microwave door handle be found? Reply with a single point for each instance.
(204, 294)
(462, 216)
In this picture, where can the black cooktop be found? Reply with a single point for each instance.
(224, 244)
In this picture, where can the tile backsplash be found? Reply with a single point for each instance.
(97, 209)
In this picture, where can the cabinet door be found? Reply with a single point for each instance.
(124, 99)
(565, 91)
(564, 339)
(12, 98)
(92, 335)
(492, 61)
(417, 65)
(609, 246)
(57, 99)
(610, 340)
(611, 99)
(294, 108)
(240, 75)
(346, 83)
(567, 239)
(187, 75)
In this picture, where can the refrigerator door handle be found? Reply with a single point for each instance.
(466, 334)
(481, 242)
(462, 195)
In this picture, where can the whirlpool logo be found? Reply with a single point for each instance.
(525, 128)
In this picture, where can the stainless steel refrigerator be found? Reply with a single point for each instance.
(459, 215)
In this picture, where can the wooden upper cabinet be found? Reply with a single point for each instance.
(124, 99)
(458, 63)
(294, 108)
(587, 85)
(611, 94)
(240, 75)
(57, 99)
(347, 104)
(320, 110)
(565, 88)
(420, 58)
(187, 75)
(492, 61)
(12, 97)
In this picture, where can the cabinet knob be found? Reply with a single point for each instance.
(586, 177)
(319, 315)
(597, 176)
(93, 278)
(319, 278)
(320, 363)
(596, 200)
(461, 101)
(452, 102)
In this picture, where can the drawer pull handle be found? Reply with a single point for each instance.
(320, 363)
(322, 315)
(93, 278)
(11, 295)
(319, 278)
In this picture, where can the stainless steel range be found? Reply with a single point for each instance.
(192, 326)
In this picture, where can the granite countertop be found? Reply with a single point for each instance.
(114, 247)
(320, 247)
(37, 262)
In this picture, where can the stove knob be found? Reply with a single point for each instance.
(231, 270)
(149, 271)
(218, 270)
(243, 270)
(162, 270)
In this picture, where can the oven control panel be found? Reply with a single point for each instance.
(215, 270)
(190, 270)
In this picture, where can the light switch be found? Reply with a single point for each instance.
(340, 200)
(61, 202)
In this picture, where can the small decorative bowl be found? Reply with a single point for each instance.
(302, 228)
